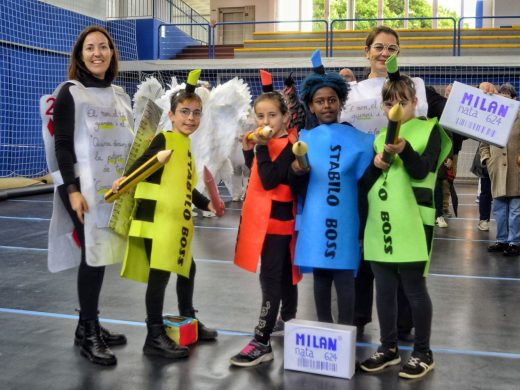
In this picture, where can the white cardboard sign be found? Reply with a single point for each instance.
(480, 116)
(320, 348)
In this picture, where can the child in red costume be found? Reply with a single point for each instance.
(267, 224)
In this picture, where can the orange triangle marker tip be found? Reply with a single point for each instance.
(266, 77)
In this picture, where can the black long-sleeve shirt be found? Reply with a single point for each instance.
(146, 209)
(64, 128)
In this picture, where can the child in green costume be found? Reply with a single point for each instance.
(160, 234)
(400, 223)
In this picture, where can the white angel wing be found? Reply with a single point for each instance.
(151, 89)
(224, 112)
(164, 103)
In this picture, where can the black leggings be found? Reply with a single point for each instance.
(156, 290)
(387, 276)
(344, 283)
(276, 284)
(364, 296)
(90, 279)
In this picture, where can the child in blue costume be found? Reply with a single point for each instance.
(399, 227)
(328, 225)
(267, 222)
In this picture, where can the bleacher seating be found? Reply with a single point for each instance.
(436, 42)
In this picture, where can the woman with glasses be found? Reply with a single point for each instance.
(364, 110)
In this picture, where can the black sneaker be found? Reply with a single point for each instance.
(418, 365)
(512, 250)
(498, 247)
(380, 360)
(254, 353)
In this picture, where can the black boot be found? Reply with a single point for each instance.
(111, 339)
(204, 333)
(92, 345)
(159, 344)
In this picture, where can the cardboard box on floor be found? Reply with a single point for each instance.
(320, 348)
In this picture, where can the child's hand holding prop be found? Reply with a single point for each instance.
(214, 196)
(395, 115)
(300, 152)
(260, 135)
(141, 173)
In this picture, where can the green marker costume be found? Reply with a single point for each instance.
(390, 237)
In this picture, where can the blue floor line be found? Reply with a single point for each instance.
(501, 278)
(24, 218)
(30, 201)
(21, 248)
(218, 261)
(452, 351)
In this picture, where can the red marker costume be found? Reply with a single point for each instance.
(257, 221)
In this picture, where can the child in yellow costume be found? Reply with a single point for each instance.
(161, 231)
(399, 228)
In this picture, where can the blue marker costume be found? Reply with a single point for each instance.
(329, 223)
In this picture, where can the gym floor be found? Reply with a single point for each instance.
(475, 332)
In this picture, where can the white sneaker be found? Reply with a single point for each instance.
(208, 214)
(483, 225)
(440, 222)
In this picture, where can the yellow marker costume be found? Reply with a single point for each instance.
(172, 229)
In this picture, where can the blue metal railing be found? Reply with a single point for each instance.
(215, 26)
(203, 26)
(477, 18)
(167, 11)
(331, 43)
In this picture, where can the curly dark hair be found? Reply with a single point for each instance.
(316, 81)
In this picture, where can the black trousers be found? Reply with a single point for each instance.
(344, 284)
(364, 298)
(156, 290)
(388, 276)
(438, 196)
(276, 284)
(90, 279)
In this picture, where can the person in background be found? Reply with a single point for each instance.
(484, 191)
(504, 172)
(457, 140)
(380, 43)
(348, 75)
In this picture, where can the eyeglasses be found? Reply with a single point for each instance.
(186, 112)
(389, 104)
(391, 48)
(322, 101)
